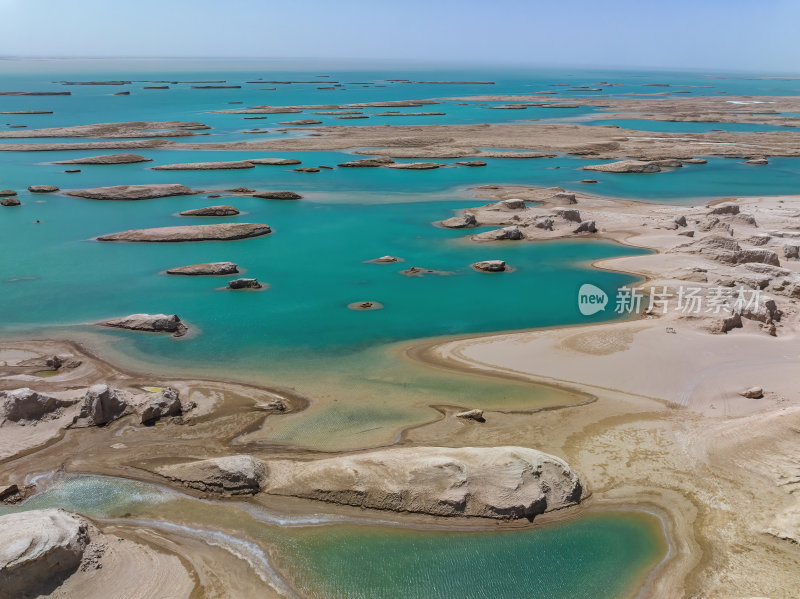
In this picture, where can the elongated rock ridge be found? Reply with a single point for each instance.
(216, 232)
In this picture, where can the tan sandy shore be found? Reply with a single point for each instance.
(670, 428)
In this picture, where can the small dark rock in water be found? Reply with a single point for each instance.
(490, 266)
(214, 196)
(72, 170)
(241, 190)
(367, 162)
(416, 271)
(42, 188)
(472, 163)
(244, 284)
(364, 306)
(386, 260)
(122, 94)
(758, 161)
(207, 268)
(588, 181)
(311, 169)
(211, 211)
(327, 168)
(7, 192)
(278, 195)
(12, 201)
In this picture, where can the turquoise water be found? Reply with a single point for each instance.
(597, 556)
(313, 263)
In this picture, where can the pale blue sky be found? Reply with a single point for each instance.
(733, 35)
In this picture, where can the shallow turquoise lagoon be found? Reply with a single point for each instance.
(313, 264)
(596, 556)
(591, 557)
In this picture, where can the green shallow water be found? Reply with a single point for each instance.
(598, 555)
(591, 557)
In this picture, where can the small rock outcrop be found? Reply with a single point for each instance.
(568, 214)
(39, 549)
(27, 404)
(563, 198)
(490, 266)
(487, 482)
(471, 163)
(42, 188)
(10, 201)
(725, 209)
(385, 260)
(476, 415)
(753, 393)
(211, 211)
(728, 251)
(367, 162)
(587, 226)
(278, 195)
(230, 475)
(464, 221)
(102, 405)
(132, 192)
(152, 323)
(217, 232)
(511, 204)
(206, 269)
(511, 233)
(164, 404)
(625, 166)
(244, 284)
